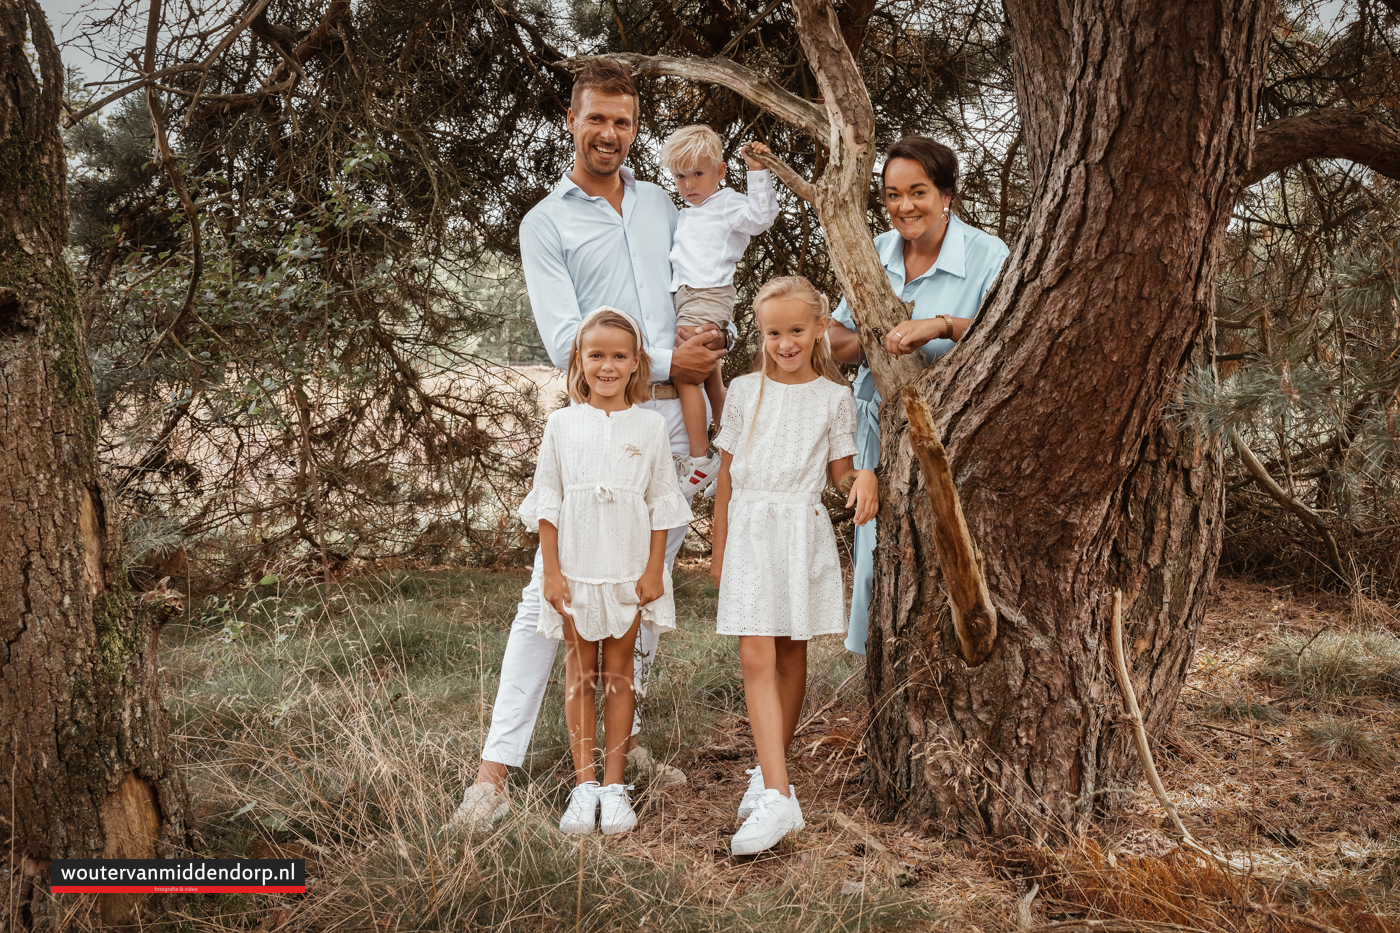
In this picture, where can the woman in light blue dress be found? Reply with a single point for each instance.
(945, 268)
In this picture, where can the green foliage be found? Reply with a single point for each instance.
(1309, 377)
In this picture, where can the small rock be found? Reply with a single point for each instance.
(851, 886)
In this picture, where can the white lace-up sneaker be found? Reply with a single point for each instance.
(482, 805)
(658, 771)
(773, 817)
(581, 815)
(755, 791)
(697, 473)
(617, 813)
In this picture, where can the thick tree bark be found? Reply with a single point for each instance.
(1340, 133)
(87, 764)
(1051, 410)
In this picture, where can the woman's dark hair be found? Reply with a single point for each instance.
(938, 161)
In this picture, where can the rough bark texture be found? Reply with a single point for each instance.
(1341, 133)
(86, 756)
(1138, 121)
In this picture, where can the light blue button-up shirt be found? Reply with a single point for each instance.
(579, 253)
(967, 265)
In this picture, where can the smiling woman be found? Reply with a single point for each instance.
(945, 268)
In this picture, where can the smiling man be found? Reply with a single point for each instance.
(599, 238)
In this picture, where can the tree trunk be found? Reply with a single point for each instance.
(1138, 122)
(87, 765)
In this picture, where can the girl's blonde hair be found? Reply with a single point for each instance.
(689, 146)
(791, 286)
(639, 386)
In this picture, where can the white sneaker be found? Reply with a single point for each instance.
(773, 817)
(482, 805)
(658, 771)
(581, 815)
(697, 473)
(617, 813)
(751, 795)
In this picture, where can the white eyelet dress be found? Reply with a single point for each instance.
(781, 574)
(606, 482)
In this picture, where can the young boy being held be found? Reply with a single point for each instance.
(711, 235)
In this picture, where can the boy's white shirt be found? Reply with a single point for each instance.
(711, 237)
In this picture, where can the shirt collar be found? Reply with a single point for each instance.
(952, 258)
(567, 186)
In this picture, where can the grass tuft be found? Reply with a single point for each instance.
(1343, 738)
(1334, 666)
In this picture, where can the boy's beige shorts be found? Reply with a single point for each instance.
(696, 306)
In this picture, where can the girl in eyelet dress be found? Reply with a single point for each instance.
(787, 429)
(605, 495)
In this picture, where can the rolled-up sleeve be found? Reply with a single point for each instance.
(552, 297)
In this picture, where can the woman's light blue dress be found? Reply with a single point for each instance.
(967, 265)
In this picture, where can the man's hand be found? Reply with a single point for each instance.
(693, 360)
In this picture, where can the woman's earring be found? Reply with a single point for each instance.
(945, 215)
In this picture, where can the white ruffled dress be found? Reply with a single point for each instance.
(781, 574)
(606, 482)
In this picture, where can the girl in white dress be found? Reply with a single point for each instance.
(787, 428)
(605, 495)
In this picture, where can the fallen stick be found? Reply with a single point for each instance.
(1130, 706)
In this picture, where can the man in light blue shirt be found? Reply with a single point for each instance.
(599, 238)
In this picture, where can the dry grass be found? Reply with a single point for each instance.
(348, 738)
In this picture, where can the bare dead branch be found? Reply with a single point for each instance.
(1311, 518)
(974, 616)
(788, 176)
(753, 87)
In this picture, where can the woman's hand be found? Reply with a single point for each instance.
(556, 592)
(716, 565)
(749, 150)
(650, 587)
(908, 336)
(865, 496)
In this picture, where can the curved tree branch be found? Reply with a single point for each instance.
(1337, 133)
(788, 176)
(753, 87)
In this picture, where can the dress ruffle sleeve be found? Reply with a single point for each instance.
(732, 420)
(665, 504)
(841, 434)
(547, 495)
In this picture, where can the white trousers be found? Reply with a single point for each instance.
(529, 656)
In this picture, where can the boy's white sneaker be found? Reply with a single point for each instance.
(754, 791)
(773, 817)
(617, 813)
(581, 815)
(482, 805)
(697, 473)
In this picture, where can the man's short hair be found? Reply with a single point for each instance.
(690, 147)
(607, 75)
